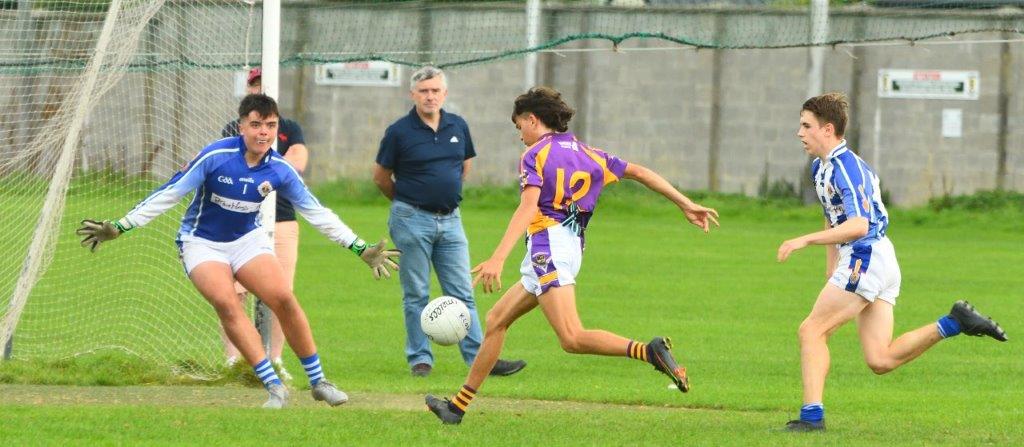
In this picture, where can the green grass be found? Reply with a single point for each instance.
(731, 309)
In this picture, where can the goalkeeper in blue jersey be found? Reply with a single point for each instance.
(220, 239)
(863, 274)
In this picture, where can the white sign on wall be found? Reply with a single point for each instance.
(368, 73)
(928, 84)
(952, 123)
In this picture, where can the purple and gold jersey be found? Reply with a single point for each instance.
(570, 176)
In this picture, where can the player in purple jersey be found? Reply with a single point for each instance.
(562, 179)
(863, 275)
(220, 240)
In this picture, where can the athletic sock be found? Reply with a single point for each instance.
(312, 366)
(639, 351)
(814, 412)
(460, 401)
(265, 371)
(948, 326)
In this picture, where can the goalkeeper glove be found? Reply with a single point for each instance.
(98, 232)
(378, 257)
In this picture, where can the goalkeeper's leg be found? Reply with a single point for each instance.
(231, 353)
(262, 275)
(215, 282)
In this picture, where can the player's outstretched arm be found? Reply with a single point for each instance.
(97, 232)
(851, 230)
(155, 204)
(698, 215)
(377, 256)
(489, 271)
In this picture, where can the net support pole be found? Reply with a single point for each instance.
(532, 40)
(819, 34)
(48, 224)
(1006, 69)
(270, 80)
(815, 73)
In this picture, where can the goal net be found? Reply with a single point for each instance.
(103, 101)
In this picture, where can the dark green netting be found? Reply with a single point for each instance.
(451, 34)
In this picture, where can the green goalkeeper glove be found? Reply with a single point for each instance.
(98, 232)
(378, 257)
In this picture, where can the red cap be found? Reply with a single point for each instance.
(255, 74)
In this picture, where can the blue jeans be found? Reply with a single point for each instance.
(427, 238)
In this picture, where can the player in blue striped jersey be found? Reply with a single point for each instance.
(220, 239)
(861, 267)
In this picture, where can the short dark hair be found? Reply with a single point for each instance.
(547, 105)
(262, 104)
(830, 108)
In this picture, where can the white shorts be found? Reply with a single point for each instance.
(553, 258)
(236, 253)
(286, 250)
(870, 271)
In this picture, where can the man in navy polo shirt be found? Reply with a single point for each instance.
(423, 158)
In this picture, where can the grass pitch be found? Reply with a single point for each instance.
(730, 308)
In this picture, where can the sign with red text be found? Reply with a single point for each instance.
(928, 84)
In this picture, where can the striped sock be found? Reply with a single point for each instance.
(312, 366)
(812, 412)
(460, 401)
(948, 327)
(265, 371)
(637, 350)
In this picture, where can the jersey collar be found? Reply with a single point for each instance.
(838, 150)
(417, 121)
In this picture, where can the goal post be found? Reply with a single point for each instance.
(262, 316)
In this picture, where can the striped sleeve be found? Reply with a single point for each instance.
(850, 183)
(295, 190)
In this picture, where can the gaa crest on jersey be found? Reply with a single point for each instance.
(829, 191)
(265, 188)
(540, 260)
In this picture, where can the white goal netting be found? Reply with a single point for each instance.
(102, 102)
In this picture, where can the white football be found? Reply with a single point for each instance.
(445, 320)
